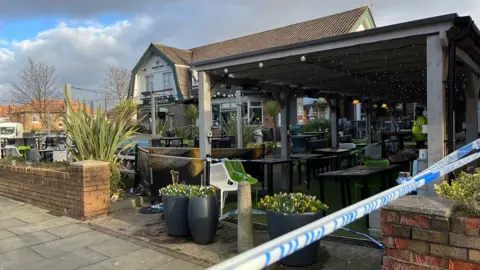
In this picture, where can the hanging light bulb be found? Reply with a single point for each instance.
(225, 70)
(303, 58)
(260, 65)
(355, 101)
(384, 105)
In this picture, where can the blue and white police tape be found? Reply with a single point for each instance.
(278, 248)
(259, 212)
(454, 156)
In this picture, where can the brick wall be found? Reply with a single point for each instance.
(83, 192)
(425, 233)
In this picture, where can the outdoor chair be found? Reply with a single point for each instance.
(219, 178)
(33, 155)
(299, 145)
(12, 152)
(235, 167)
(374, 151)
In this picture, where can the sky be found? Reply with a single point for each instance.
(81, 38)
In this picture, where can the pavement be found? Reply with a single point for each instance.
(32, 238)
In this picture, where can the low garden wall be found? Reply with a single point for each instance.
(80, 191)
(426, 233)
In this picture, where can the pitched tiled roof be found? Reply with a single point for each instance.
(177, 56)
(333, 25)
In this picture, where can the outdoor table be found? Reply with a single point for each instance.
(307, 158)
(269, 163)
(359, 172)
(168, 140)
(45, 154)
(401, 137)
(337, 152)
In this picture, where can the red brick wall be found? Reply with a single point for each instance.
(419, 241)
(83, 192)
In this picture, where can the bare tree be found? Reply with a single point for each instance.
(36, 88)
(117, 82)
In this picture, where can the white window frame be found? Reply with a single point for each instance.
(147, 84)
(255, 107)
(168, 76)
(35, 115)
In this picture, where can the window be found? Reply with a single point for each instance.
(167, 80)
(216, 115)
(149, 86)
(255, 113)
(35, 118)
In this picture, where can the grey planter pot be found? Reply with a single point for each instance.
(203, 219)
(175, 209)
(279, 224)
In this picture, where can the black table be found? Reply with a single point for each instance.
(338, 153)
(269, 163)
(168, 140)
(359, 172)
(307, 158)
(47, 155)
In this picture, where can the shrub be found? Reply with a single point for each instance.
(315, 125)
(291, 203)
(175, 190)
(465, 190)
(248, 131)
(201, 191)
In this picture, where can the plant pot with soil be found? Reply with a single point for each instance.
(287, 212)
(203, 214)
(175, 209)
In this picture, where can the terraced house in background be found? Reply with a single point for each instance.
(166, 71)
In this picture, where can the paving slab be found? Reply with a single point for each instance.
(5, 234)
(143, 259)
(13, 222)
(37, 218)
(71, 243)
(66, 261)
(68, 230)
(26, 240)
(13, 257)
(115, 247)
(43, 225)
(179, 265)
(20, 211)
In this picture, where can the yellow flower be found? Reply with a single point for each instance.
(314, 209)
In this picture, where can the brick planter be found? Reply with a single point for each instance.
(425, 233)
(83, 192)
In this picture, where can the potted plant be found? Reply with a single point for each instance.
(287, 212)
(203, 214)
(175, 209)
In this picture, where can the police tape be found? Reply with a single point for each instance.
(259, 212)
(279, 248)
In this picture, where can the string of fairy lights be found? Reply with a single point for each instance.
(398, 75)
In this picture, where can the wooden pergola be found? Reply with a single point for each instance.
(417, 61)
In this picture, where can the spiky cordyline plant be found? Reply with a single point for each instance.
(96, 138)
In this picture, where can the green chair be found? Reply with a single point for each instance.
(23, 150)
(237, 173)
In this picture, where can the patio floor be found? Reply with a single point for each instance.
(151, 228)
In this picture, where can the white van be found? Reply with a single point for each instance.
(11, 130)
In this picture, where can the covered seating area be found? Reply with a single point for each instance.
(433, 62)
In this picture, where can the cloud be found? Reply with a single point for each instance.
(80, 46)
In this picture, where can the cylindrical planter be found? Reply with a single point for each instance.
(175, 209)
(279, 224)
(203, 219)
